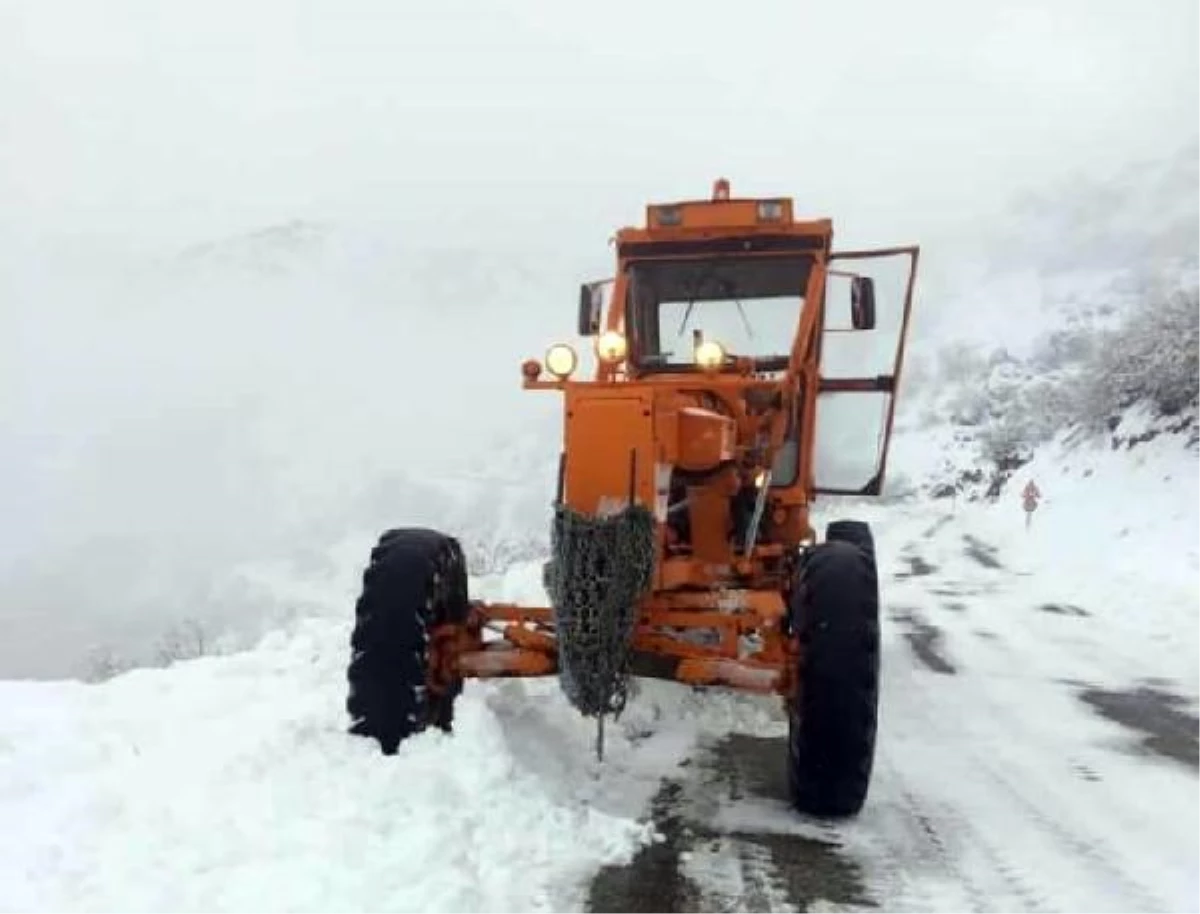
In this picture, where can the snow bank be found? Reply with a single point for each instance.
(1119, 503)
(1116, 533)
(229, 783)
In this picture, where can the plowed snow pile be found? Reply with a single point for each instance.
(229, 784)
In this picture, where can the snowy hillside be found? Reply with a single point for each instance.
(1078, 252)
(983, 411)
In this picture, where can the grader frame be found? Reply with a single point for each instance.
(717, 610)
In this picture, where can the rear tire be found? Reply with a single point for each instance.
(851, 531)
(416, 581)
(832, 722)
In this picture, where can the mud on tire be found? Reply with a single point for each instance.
(416, 580)
(832, 723)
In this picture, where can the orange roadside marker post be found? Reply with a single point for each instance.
(1029, 498)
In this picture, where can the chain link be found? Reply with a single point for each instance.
(598, 570)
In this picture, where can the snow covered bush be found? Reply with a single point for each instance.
(1083, 374)
(185, 640)
(103, 664)
(1151, 357)
(494, 555)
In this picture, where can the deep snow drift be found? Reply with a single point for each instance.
(230, 784)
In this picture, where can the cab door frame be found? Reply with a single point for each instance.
(885, 383)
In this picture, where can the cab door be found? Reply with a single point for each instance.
(865, 318)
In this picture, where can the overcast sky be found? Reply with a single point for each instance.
(139, 120)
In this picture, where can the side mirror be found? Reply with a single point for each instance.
(591, 305)
(862, 303)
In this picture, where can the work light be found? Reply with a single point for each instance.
(770, 210)
(668, 215)
(561, 360)
(710, 354)
(610, 346)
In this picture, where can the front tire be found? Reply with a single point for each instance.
(416, 581)
(833, 719)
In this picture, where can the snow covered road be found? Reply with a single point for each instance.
(1037, 751)
(1019, 768)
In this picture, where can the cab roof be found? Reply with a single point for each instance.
(724, 224)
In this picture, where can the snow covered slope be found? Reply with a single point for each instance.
(1085, 249)
(230, 784)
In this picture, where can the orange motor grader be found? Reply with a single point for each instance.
(741, 368)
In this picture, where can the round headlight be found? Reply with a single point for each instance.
(710, 354)
(610, 346)
(561, 360)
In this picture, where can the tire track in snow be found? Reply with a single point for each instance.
(925, 639)
(935, 821)
(1087, 852)
(1156, 715)
(1105, 868)
(910, 859)
(733, 843)
(983, 553)
(920, 841)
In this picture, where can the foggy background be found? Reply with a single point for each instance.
(267, 271)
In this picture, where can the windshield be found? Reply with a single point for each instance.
(750, 305)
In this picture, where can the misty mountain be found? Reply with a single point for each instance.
(271, 250)
(1063, 255)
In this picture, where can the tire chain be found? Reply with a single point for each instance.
(598, 570)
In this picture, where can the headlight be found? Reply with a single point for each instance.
(561, 360)
(710, 354)
(610, 346)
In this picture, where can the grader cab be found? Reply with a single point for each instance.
(741, 368)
